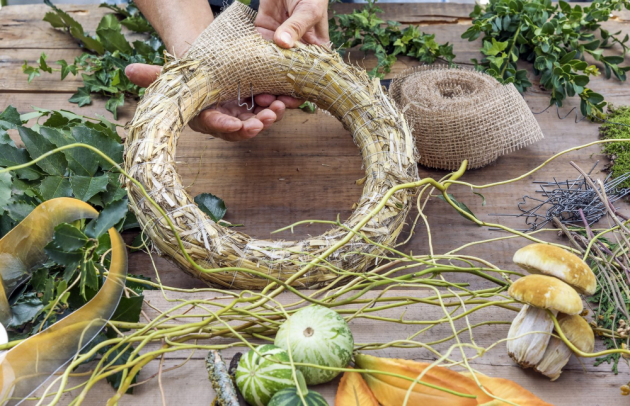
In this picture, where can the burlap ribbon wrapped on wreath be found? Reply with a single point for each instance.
(457, 114)
(229, 55)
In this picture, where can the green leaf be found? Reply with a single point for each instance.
(37, 145)
(61, 257)
(25, 309)
(84, 187)
(119, 357)
(81, 161)
(82, 97)
(110, 35)
(108, 218)
(43, 65)
(493, 48)
(211, 205)
(13, 156)
(10, 118)
(128, 309)
(114, 102)
(461, 205)
(19, 210)
(66, 69)
(5, 191)
(110, 147)
(114, 190)
(137, 23)
(68, 238)
(55, 186)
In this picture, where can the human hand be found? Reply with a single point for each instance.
(228, 121)
(300, 19)
(288, 21)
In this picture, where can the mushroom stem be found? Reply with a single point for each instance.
(555, 358)
(524, 347)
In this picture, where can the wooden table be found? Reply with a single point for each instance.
(305, 168)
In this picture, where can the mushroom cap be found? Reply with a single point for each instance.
(554, 261)
(577, 331)
(547, 293)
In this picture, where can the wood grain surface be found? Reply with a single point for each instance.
(305, 168)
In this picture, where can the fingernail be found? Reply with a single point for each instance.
(286, 38)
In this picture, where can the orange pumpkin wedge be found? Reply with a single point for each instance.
(391, 390)
(507, 390)
(353, 391)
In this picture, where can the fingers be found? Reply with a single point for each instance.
(242, 127)
(141, 74)
(306, 15)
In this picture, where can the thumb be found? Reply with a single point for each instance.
(305, 15)
(141, 74)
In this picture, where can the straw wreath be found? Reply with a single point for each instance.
(231, 55)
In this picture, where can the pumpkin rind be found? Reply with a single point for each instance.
(259, 377)
(317, 335)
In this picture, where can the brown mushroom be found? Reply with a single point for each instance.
(578, 332)
(554, 261)
(539, 293)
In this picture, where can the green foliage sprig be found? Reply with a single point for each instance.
(555, 38)
(386, 39)
(108, 53)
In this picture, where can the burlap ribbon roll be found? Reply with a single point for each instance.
(457, 114)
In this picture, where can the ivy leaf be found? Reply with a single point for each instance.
(84, 187)
(67, 69)
(108, 218)
(211, 205)
(129, 309)
(81, 97)
(114, 102)
(37, 145)
(55, 186)
(31, 71)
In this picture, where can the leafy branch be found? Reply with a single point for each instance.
(386, 39)
(108, 53)
(556, 39)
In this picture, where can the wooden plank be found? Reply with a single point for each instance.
(192, 376)
(23, 26)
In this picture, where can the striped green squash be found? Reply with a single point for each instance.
(259, 377)
(290, 397)
(320, 336)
